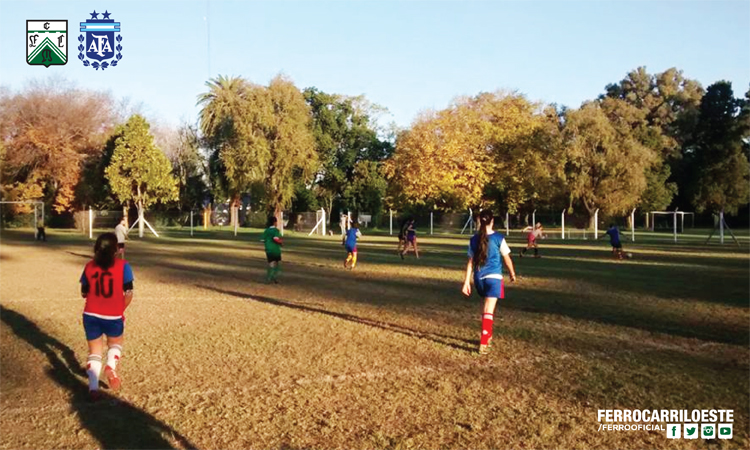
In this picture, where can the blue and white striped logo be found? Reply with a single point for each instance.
(100, 44)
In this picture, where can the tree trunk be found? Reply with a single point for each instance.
(141, 219)
(279, 214)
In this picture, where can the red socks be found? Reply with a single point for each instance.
(487, 320)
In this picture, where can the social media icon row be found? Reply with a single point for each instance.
(704, 431)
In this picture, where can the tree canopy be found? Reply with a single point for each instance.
(139, 173)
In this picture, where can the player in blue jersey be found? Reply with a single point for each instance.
(487, 252)
(614, 240)
(350, 243)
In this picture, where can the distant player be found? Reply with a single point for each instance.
(107, 286)
(532, 235)
(402, 236)
(410, 236)
(121, 231)
(350, 243)
(273, 243)
(614, 240)
(487, 252)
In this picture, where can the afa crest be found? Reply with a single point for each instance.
(101, 42)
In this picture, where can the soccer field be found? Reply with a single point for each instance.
(380, 357)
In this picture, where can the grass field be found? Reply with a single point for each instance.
(381, 357)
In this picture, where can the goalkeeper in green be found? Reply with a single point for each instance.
(272, 241)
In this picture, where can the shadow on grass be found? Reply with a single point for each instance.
(721, 284)
(437, 338)
(111, 421)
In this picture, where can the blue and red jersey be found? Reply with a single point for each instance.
(105, 289)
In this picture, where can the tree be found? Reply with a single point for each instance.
(526, 152)
(182, 148)
(259, 135)
(606, 165)
(290, 144)
(139, 172)
(367, 190)
(441, 161)
(721, 167)
(228, 124)
(344, 136)
(661, 110)
(491, 148)
(49, 131)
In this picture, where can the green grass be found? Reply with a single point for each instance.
(381, 357)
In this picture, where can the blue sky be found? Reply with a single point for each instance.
(406, 56)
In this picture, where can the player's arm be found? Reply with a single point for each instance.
(278, 240)
(84, 285)
(127, 284)
(467, 279)
(505, 252)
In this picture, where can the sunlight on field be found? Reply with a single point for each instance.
(382, 356)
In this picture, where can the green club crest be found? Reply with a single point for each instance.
(47, 42)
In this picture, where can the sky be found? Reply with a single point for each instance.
(407, 56)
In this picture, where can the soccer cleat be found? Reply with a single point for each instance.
(484, 349)
(112, 378)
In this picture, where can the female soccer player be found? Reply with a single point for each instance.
(532, 235)
(107, 286)
(402, 236)
(614, 240)
(487, 252)
(411, 240)
(350, 243)
(273, 243)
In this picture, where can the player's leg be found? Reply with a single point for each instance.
(536, 250)
(416, 248)
(348, 258)
(354, 258)
(488, 318)
(114, 353)
(276, 269)
(269, 270)
(94, 339)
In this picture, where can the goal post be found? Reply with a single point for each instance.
(37, 210)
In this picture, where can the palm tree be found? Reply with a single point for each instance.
(221, 107)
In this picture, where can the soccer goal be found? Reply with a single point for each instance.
(22, 214)
(92, 221)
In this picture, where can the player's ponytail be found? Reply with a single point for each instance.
(485, 218)
(105, 250)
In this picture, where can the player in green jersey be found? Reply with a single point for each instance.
(272, 241)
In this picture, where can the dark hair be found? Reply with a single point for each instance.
(480, 256)
(355, 224)
(272, 221)
(611, 225)
(105, 250)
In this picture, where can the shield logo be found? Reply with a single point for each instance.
(100, 42)
(47, 42)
